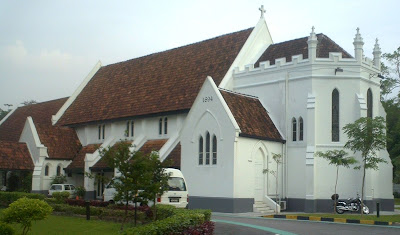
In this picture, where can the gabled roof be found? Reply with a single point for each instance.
(147, 148)
(15, 156)
(158, 83)
(251, 116)
(61, 142)
(79, 161)
(11, 128)
(300, 47)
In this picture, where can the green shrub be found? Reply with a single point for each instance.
(26, 210)
(174, 221)
(80, 191)
(59, 179)
(6, 229)
(61, 196)
(6, 198)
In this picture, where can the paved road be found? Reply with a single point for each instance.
(231, 224)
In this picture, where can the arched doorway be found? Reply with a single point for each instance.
(259, 184)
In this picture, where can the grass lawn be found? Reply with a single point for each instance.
(71, 225)
(397, 201)
(386, 218)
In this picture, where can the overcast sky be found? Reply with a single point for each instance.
(48, 47)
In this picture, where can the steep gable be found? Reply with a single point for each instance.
(251, 116)
(78, 163)
(158, 83)
(300, 47)
(11, 128)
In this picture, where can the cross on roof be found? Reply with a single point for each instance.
(262, 11)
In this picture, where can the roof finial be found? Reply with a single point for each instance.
(262, 11)
(312, 29)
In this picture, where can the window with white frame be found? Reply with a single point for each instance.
(369, 103)
(209, 147)
(294, 129)
(130, 129)
(163, 126)
(335, 115)
(102, 131)
(301, 129)
(46, 170)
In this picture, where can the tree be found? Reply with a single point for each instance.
(337, 158)
(29, 102)
(367, 136)
(278, 160)
(390, 73)
(141, 177)
(3, 113)
(25, 211)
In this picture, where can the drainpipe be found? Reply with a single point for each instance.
(287, 132)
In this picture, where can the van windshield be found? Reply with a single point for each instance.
(176, 184)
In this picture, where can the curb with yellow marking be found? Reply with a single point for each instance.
(337, 220)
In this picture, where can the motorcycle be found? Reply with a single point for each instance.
(351, 204)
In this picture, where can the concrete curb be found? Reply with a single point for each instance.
(327, 219)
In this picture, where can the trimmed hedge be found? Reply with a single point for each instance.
(179, 221)
(6, 229)
(6, 198)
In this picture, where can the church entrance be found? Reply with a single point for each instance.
(260, 177)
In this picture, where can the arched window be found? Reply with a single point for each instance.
(58, 170)
(208, 148)
(165, 125)
(214, 150)
(201, 150)
(369, 103)
(335, 115)
(46, 170)
(127, 129)
(294, 129)
(160, 126)
(301, 129)
(132, 128)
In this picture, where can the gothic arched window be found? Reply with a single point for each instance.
(160, 126)
(208, 148)
(301, 129)
(369, 103)
(165, 125)
(58, 170)
(201, 150)
(294, 129)
(46, 170)
(335, 115)
(214, 150)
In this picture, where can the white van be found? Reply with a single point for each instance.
(177, 195)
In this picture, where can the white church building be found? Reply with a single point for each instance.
(220, 108)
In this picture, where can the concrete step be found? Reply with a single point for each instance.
(261, 207)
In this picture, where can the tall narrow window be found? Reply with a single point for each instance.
(214, 150)
(104, 131)
(201, 150)
(46, 170)
(208, 148)
(301, 129)
(132, 128)
(294, 129)
(99, 132)
(369, 103)
(335, 115)
(160, 126)
(165, 125)
(127, 129)
(58, 170)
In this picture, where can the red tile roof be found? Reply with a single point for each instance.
(147, 148)
(299, 46)
(41, 113)
(61, 142)
(251, 116)
(158, 83)
(15, 156)
(79, 161)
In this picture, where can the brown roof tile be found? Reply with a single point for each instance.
(61, 142)
(251, 116)
(41, 113)
(15, 156)
(158, 83)
(174, 158)
(300, 47)
(79, 161)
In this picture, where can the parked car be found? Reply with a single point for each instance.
(177, 195)
(62, 188)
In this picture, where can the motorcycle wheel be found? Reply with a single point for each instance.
(366, 210)
(339, 211)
